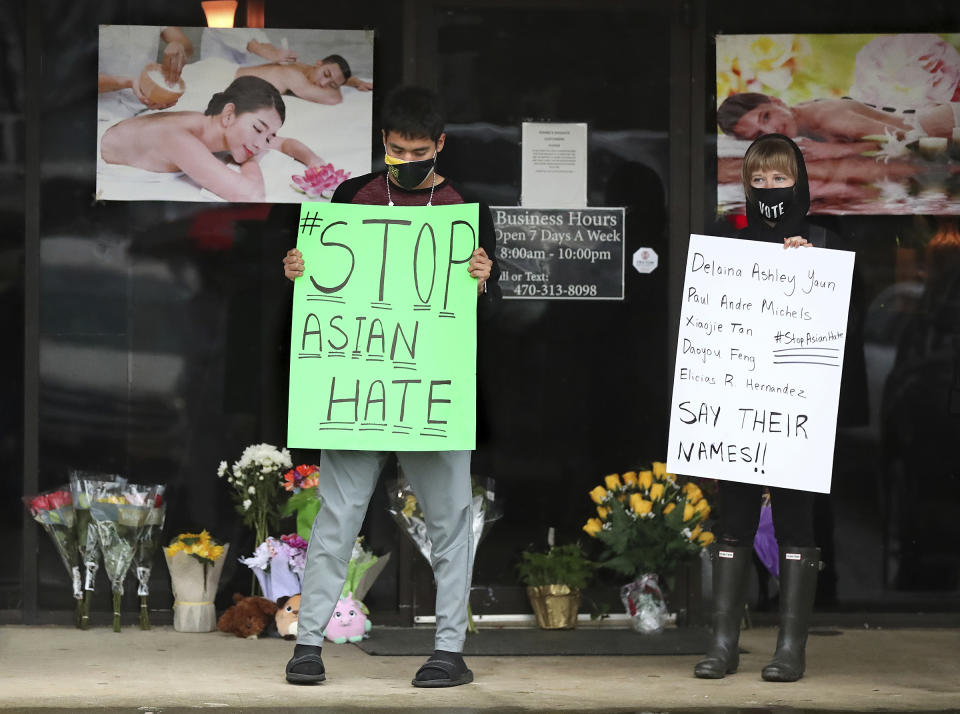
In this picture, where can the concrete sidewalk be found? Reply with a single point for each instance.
(64, 669)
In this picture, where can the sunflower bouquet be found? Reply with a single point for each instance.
(648, 521)
(195, 561)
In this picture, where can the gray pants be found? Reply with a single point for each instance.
(441, 483)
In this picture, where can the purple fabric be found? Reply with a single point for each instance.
(765, 543)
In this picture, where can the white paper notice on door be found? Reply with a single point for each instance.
(554, 165)
(759, 361)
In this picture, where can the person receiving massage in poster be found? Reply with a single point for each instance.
(319, 82)
(748, 115)
(413, 136)
(240, 123)
(775, 182)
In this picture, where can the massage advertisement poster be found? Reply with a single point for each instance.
(759, 361)
(239, 115)
(877, 117)
(383, 340)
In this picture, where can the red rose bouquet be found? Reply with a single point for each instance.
(54, 511)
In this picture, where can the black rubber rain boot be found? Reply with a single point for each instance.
(798, 587)
(731, 565)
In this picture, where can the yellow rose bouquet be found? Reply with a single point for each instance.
(648, 521)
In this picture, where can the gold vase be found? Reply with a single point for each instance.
(555, 606)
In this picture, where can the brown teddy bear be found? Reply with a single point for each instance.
(248, 617)
(287, 615)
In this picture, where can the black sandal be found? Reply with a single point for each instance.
(456, 673)
(310, 677)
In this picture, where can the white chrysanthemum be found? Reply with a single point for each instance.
(251, 490)
(221, 469)
(246, 504)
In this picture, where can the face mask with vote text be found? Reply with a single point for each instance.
(773, 202)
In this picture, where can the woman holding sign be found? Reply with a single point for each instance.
(778, 198)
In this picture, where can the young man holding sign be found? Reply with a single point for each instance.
(412, 128)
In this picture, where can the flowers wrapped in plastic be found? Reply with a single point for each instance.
(644, 602)
(278, 565)
(119, 512)
(648, 523)
(195, 561)
(146, 549)
(406, 511)
(255, 482)
(362, 572)
(54, 511)
(301, 482)
(88, 543)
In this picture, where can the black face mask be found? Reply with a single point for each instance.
(773, 203)
(410, 174)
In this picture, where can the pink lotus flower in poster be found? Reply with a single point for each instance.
(907, 71)
(320, 181)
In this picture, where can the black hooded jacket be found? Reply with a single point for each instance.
(853, 392)
(794, 221)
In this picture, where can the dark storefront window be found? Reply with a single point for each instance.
(12, 194)
(572, 390)
(886, 529)
(163, 326)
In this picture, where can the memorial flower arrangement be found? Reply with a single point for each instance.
(406, 511)
(195, 561)
(278, 565)
(647, 521)
(304, 502)
(119, 512)
(88, 544)
(254, 482)
(55, 513)
(146, 549)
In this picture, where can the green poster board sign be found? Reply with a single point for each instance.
(384, 334)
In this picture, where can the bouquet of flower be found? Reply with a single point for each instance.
(54, 511)
(648, 522)
(195, 561)
(406, 512)
(119, 512)
(88, 544)
(278, 565)
(146, 547)
(255, 482)
(304, 501)
(362, 571)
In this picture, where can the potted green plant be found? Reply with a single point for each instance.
(553, 581)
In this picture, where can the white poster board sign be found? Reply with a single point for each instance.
(554, 165)
(759, 358)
